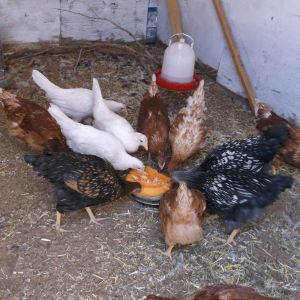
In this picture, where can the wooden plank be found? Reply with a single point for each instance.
(235, 54)
(174, 16)
(2, 67)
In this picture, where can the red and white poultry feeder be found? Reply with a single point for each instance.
(177, 71)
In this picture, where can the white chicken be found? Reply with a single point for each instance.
(86, 139)
(107, 120)
(76, 103)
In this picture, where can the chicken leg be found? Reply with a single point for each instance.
(274, 169)
(58, 223)
(92, 216)
(168, 252)
(212, 217)
(232, 236)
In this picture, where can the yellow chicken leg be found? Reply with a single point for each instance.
(274, 170)
(232, 236)
(92, 216)
(168, 252)
(212, 217)
(58, 222)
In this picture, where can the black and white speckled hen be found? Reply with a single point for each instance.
(237, 196)
(234, 180)
(251, 154)
(80, 181)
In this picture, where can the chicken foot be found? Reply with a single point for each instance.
(213, 217)
(58, 223)
(232, 236)
(274, 169)
(168, 252)
(92, 216)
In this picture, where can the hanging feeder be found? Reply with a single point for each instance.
(177, 71)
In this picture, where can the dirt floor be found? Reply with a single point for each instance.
(120, 258)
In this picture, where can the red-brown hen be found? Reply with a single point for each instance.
(32, 124)
(266, 119)
(220, 292)
(181, 215)
(153, 121)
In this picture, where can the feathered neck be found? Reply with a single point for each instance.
(153, 89)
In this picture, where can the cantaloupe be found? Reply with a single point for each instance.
(153, 183)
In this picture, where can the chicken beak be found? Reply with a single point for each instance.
(124, 111)
(145, 146)
(161, 165)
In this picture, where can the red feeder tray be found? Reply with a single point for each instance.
(175, 85)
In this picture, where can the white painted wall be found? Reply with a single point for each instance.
(29, 21)
(267, 34)
(40, 20)
(130, 14)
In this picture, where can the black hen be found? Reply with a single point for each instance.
(237, 196)
(80, 181)
(248, 154)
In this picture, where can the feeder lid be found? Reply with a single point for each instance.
(175, 85)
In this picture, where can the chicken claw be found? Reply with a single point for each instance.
(92, 217)
(212, 217)
(58, 222)
(274, 169)
(232, 236)
(168, 252)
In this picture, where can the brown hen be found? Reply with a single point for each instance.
(32, 124)
(188, 131)
(220, 292)
(181, 211)
(266, 119)
(153, 121)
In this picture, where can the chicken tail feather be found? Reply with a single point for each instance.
(99, 105)
(44, 83)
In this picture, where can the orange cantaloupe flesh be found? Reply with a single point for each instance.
(153, 183)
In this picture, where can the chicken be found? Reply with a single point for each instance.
(220, 292)
(154, 122)
(181, 211)
(76, 103)
(80, 181)
(251, 154)
(86, 139)
(107, 120)
(238, 196)
(188, 131)
(266, 119)
(32, 124)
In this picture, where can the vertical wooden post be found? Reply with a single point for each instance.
(235, 54)
(174, 16)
